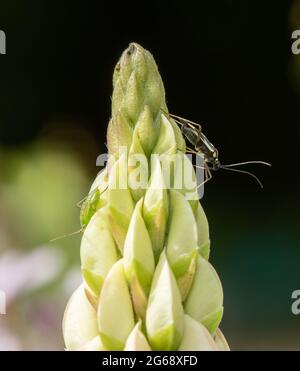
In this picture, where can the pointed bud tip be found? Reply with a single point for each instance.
(132, 48)
(131, 51)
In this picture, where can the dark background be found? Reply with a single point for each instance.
(227, 64)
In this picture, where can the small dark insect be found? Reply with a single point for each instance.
(202, 146)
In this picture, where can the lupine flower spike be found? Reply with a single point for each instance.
(147, 282)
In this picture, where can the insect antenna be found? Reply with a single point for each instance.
(67, 235)
(225, 167)
(182, 120)
(248, 162)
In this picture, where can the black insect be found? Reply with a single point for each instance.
(202, 146)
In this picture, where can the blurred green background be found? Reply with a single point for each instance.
(227, 64)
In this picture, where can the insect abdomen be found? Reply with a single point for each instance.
(190, 135)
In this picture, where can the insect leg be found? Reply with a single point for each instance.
(181, 119)
(207, 173)
(191, 150)
(200, 167)
(79, 203)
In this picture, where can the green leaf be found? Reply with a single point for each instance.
(115, 312)
(164, 317)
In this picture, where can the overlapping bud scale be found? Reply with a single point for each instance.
(147, 283)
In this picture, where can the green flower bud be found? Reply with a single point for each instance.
(137, 169)
(94, 345)
(166, 143)
(115, 312)
(80, 321)
(221, 341)
(117, 100)
(181, 146)
(182, 241)
(147, 130)
(140, 62)
(196, 337)
(137, 83)
(119, 134)
(203, 232)
(138, 260)
(155, 208)
(164, 317)
(205, 299)
(145, 247)
(120, 203)
(133, 98)
(98, 251)
(184, 179)
(136, 340)
(92, 298)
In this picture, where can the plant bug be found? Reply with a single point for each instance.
(202, 146)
